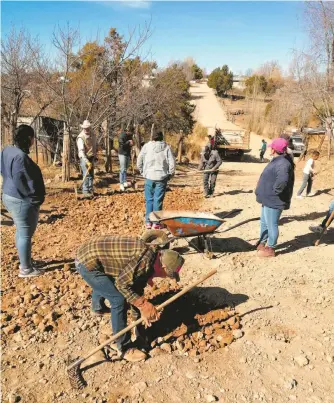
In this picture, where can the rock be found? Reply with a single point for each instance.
(138, 388)
(10, 329)
(37, 319)
(156, 351)
(211, 398)
(237, 333)
(330, 359)
(166, 347)
(191, 375)
(291, 384)
(301, 360)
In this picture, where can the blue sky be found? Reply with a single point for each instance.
(241, 34)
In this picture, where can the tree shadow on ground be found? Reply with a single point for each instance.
(324, 191)
(304, 241)
(53, 264)
(232, 244)
(228, 214)
(251, 158)
(234, 192)
(200, 300)
(305, 217)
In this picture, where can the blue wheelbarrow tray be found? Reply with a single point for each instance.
(187, 223)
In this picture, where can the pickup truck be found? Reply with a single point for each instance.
(296, 144)
(232, 143)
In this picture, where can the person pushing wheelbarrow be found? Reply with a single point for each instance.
(118, 269)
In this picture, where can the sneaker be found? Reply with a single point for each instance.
(148, 225)
(134, 355)
(261, 246)
(87, 195)
(266, 252)
(121, 187)
(299, 197)
(26, 273)
(317, 229)
(101, 312)
(125, 184)
(157, 226)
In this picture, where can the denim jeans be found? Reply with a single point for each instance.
(269, 226)
(87, 186)
(331, 209)
(104, 288)
(307, 181)
(25, 217)
(124, 162)
(209, 182)
(154, 195)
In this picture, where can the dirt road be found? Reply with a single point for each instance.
(286, 304)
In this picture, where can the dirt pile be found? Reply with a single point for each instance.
(191, 325)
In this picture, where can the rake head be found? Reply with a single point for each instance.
(75, 376)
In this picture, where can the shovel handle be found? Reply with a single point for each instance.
(139, 321)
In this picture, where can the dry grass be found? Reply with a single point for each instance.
(195, 142)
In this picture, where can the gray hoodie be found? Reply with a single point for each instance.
(156, 161)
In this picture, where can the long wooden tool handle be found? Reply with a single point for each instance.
(139, 321)
(84, 178)
(328, 223)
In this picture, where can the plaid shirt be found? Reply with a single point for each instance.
(127, 260)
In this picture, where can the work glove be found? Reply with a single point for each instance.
(89, 165)
(147, 310)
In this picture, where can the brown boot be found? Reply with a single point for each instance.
(134, 355)
(267, 252)
(261, 246)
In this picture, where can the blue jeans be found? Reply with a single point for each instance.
(87, 186)
(307, 182)
(124, 162)
(25, 217)
(154, 195)
(104, 288)
(331, 209)
(269, 226)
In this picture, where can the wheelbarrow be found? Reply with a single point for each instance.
(184, 224)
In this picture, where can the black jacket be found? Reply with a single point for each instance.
(275, 185)
(124, 147)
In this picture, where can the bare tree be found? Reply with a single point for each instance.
(16, 83)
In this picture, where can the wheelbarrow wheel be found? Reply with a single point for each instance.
(156, 237)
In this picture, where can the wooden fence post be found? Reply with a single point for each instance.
(66, 157)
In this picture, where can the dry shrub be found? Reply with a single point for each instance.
(195, 142)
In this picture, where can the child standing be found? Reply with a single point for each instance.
(308, 171)
(263, 149)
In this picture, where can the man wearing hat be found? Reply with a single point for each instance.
(86, 143)
(118, 269)
(156, 163)
(274, 193)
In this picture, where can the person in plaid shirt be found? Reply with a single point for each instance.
(118, 269)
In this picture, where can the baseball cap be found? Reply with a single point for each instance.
(173, 262)
(279, 145)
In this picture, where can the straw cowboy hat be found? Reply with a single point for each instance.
(86, 124)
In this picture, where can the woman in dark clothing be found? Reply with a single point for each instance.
(274, 193)
(23, 193)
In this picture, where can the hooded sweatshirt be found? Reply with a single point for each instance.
(156, 161)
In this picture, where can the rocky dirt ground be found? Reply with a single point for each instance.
(273, 343)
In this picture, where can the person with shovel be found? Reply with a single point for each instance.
(156, 163)
(210, 161)
(87, 150)
(118, 269)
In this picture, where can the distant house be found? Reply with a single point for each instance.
(147, 80)
(239, 82)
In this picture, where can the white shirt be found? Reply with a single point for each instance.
(309, 167)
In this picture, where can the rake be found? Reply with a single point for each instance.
(74, 371)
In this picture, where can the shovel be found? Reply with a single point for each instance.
(81, 184)
(73, 370)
